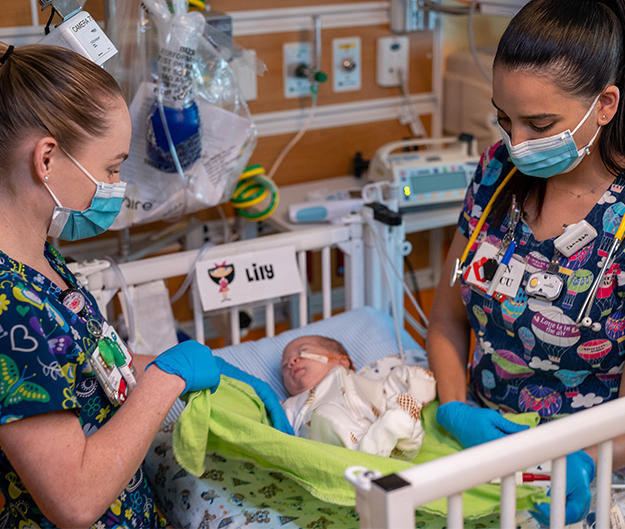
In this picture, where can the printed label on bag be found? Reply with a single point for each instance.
(617, 521)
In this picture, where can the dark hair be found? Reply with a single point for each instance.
(55, 91)
(578, 44)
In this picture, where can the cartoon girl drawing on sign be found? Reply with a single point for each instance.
(223, 275)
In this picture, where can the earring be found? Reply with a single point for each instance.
(603, 117)
(46, 177)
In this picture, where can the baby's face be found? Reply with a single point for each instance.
(301, 374)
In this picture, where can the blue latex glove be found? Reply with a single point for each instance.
(193, 362)
(264, 392)
(474, 426)
(580, 472)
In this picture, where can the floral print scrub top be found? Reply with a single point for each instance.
(43, 368)
(529, 354)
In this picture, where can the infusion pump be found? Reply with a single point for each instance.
(437, 174)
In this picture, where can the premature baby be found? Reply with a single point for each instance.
(333, 404)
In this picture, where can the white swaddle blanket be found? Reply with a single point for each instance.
(381, 417)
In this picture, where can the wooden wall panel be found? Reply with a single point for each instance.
(325, 153)
(15, 13)
(271, 86)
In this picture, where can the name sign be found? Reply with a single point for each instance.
(248, 277)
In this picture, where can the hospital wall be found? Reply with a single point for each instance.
(326, 152)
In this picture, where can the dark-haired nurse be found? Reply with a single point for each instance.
(523, 280)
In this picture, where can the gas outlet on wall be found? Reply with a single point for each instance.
(392, 56)
(296, 66)
(346, 64)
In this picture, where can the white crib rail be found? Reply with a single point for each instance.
(385, 503)
(346, 237)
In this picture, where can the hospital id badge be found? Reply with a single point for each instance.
(112, 364)
(509, 282)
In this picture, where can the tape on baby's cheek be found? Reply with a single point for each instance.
(317, 358)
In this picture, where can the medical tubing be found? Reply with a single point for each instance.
(298, 136)
(485, 213)
(390, 289)
(174, 153)
(130, 315)
(268, 184)
(224, 221)
(471, 35)
(416, 122)
(415, 324)
(401, 279)
(404, 285)
(187, 280)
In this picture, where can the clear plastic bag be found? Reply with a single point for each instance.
(193, 133)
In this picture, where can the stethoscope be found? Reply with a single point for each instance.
(583, 318)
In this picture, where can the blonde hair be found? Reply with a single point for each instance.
(54, 91)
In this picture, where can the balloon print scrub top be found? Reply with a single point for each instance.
(43, 368)
(529, 354)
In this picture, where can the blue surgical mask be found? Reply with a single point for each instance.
(72, 225)
(547, 157)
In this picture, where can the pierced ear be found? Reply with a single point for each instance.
(44, 155)
(609, 104)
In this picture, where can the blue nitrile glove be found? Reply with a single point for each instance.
(264, 392)
(474, 426)
(580, 472)
(193, 362)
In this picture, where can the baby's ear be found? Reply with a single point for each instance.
(345, 362)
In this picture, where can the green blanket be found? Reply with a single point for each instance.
(233, 422)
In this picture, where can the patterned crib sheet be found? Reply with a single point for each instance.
(234, 494)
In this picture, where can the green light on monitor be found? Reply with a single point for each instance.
(407, 191)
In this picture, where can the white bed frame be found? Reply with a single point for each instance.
(357, 238)
(448, 477)
(390, 502)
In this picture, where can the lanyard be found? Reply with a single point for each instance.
(459, 263)
(583, 317)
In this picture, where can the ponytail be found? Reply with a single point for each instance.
(54, 91)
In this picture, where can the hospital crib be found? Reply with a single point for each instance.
(390, 501)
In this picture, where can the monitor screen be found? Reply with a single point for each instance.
(433, 183)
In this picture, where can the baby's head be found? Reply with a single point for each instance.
(307, 360)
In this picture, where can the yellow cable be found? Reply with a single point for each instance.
(621, 230)
(480, 223)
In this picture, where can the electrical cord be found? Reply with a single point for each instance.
(298, 136)
(383, 252)
(390, 289)
(413, 279)
(130, 315)
(416, 125)
(189, 278)
(487, 75)
(47, 28)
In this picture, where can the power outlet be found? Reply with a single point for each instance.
(346, 64)
(295, 67)
(392, 57)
